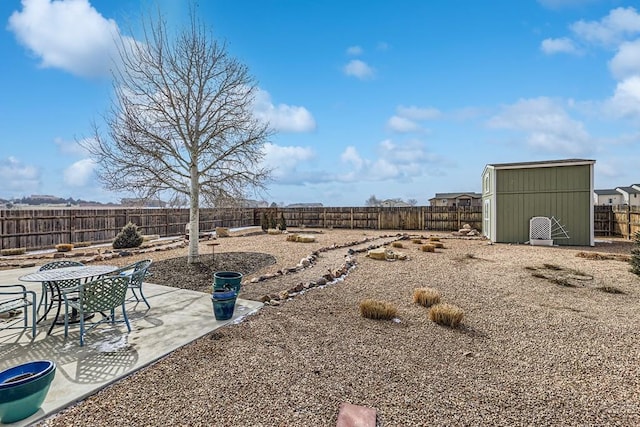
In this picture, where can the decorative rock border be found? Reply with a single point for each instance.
(91, 255)
(332, 276)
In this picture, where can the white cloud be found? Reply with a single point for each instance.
(383, 46)
(417, 113)
(625, 102)
(626, 62)
(400, 162)
(402, 125)
(350, 156)
(406, 118)
(355, 50)
(284, 161)
(610, 30)
(559, 4)
(79, 174)
(547, 125)
(283, 117)
(70, 147)
(17, 177)
(67, 34)
(359, 69)
(561, 45)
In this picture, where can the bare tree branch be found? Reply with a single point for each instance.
(181, 121)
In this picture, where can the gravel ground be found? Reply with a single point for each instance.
(541, 343)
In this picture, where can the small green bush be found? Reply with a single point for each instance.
(635, 255)
(264, 222)
(282, 224)
(129, 237)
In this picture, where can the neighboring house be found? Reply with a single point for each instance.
(394, 203)
(513, 193)
(456, 199)
(608, 197)
(630, 195)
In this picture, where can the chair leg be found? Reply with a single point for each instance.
(142, 295)
(34, 315)
(126, 319)
(81, 314)
(66, 320)
(44, 299)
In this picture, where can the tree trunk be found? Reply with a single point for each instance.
(194, 217)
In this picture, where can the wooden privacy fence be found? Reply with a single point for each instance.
(44, 228)
(621, 220)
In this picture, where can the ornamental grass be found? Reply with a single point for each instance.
(377, 310)
(426, 296)
(446, 314)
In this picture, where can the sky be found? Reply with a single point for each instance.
(395, 99)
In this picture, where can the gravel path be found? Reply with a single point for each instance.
(541, 343)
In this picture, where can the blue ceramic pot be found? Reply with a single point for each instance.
(23, 388)
(227, 279)
(224, 302)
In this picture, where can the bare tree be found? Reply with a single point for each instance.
(412, 202)
(181, 122)
(372, 201)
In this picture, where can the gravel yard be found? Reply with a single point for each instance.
(544, 340)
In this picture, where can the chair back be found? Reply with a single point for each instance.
(60, 264)
(103, 294)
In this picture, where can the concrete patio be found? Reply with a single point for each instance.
(177, 317)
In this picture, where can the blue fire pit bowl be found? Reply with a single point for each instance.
(23, 388)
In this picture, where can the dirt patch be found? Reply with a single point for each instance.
(177, 272)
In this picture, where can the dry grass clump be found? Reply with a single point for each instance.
(13, 251)
(610, 289)
(438, 244)
(416, 241)
(603, 257)
(446, 314)
(378, 310)
(426, 296)
(397, 245)
(64, 247)
(83, 244)
(434, 239)
(428, 248)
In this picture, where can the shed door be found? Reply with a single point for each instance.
(486, 223)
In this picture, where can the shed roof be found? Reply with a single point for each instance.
(541, 164)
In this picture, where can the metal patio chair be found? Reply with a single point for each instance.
(102, 296)
(48, 288)
(136, 272)
(15, 298)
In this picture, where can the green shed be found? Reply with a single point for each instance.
(561, 190)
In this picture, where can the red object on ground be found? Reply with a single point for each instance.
(356, 416)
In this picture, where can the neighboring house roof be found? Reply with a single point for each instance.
(628, 190)
(607, 192)
(456, 195)
(541, 164)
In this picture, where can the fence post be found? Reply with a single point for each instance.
(629, 222)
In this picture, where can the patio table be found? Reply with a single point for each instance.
(84, 273)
